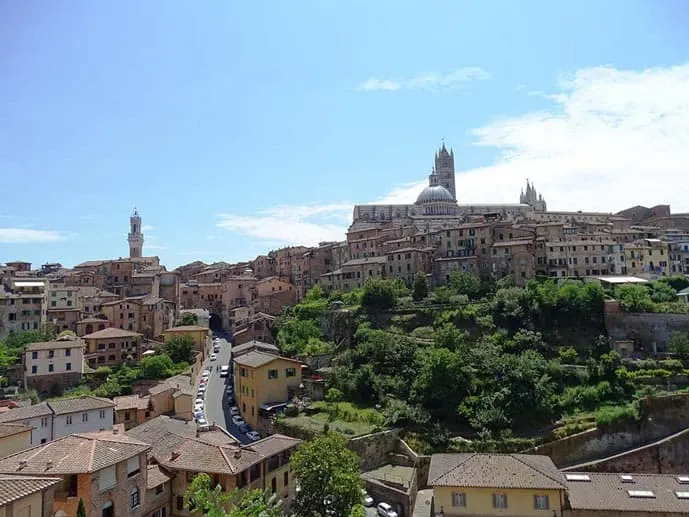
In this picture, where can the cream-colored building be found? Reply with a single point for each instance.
(477, 485)
(112, 347)
(14, 438)
(26, 496)
(63, 298)
(263, 380)
(54, 365)
(22, 304)
(355, 273)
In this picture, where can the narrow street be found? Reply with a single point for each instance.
(216, 408)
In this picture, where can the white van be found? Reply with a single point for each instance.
(224, 371)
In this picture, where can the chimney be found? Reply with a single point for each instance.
(22, 464)
(115, 430)
(174, 455)
(49, 464)
(238, 453)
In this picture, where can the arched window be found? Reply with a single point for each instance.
(89, 328)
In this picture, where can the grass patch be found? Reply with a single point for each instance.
(608, 415)
(316, 423)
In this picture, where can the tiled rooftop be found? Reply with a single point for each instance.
(13, 488)
(111, 332)
(494, 471)
(255, 359)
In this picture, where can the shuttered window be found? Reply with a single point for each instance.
(132, 466)
(107, 478)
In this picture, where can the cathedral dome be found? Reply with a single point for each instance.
(434, 194)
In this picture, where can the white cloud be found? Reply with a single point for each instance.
(429, 81)
(305, 224)
(155, 247)
(147, 228)
(610, 140)
(29, 236)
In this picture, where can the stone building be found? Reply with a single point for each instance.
(22, 304)
(53, 365)
(112, 347)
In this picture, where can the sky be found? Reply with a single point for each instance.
(240, 127)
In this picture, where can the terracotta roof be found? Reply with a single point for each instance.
(17, 487)
(174, 382)
(607, 492)
(26, 412)
(9, 429)
(74, 454)
(186, 328)
(163, 433)
(155, 477)
(197, 455)
(254, 359)
(111, 332)
(94, 320)
(127, 402)
(250, 345)
(64, 342)
(78, 404)
(494, 471)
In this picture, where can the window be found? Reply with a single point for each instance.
(44, 422)
(541, 502)
(34, 369)
(272, 374)
(133, 466)
(159, 489)
(107, 478)
(34, 355)
(135, 500)
(102, 414)
(68, 366)
(180, 502)
(285, 479)
(68, 352)
(68, 420)
(459, 499)
(641, 494)
(51, 354)
(51, 367)
(273, 485)
(499, 500)
(84, 417)
(244, 372)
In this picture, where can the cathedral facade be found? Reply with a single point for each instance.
(436, 205)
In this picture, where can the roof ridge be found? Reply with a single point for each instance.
(519, 459)
(467, 458)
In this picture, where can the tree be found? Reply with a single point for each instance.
(378, 295)
(662, 292)
(677, 282)
(156, 367)
(187, 318)
(257, 504)
(679, 345)
(462, 282)
(204, 499)
(81, 509)
(634, 298)
(568, 355)
(180, 349)
(328, 475)
(420, 286)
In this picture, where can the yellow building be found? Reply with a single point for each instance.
(198, 334)
(14, 438)
(262, 380)
(27, 496)
(496, 484)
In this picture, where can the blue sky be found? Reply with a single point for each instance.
(237, 127)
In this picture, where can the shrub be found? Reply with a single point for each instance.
(613, 414)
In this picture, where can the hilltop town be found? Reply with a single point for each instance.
(453, 358)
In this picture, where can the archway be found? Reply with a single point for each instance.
(215, 323)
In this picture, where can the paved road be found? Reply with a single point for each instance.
(216, 406)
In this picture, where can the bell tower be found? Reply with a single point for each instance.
(135, 237)
(445, 169)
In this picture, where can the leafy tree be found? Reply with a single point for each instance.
(442, 294)
(449, 336)
(329, 477)
(81, 509)
(420, 286)
(333, 395)
(466, 283)
(379, 295)
(301, 336)
(202, 498)
(315, 293)
(180, 349)
(677, 282)
(678, 344)
(525, 340)
(568, 355)
(187, 318)
(662, 292)
(634, 298)
(156, 367)
(256, 504)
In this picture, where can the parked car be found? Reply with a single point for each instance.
(202, 391)
(205, 374)
(368, 500)
(198, 413)
(237, 420)
(214, 357)
(224, 371)
(244, 428)
(229, 390)
(203, 381)
(385, 510)
(234, 410)
(253, 435)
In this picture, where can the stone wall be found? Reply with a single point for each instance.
(375, 449)
(667, 456)
(659, 418)
(650, 331)
(54, 383)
